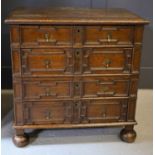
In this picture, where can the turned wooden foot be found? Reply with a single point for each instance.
(20, 139)
(128, 135)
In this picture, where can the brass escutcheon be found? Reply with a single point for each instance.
(77, 53)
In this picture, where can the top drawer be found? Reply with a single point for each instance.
(46, 36)
(108, 35)
(72, 36)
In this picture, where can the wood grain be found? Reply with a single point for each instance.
(75, 68)
(73, 16)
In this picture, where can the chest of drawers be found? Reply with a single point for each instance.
(75, 68)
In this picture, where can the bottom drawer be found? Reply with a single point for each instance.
(106, 111)
(75, 112)
(44, 112)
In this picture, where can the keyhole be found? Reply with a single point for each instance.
(77, 54)
(77, 85)
(78, 30)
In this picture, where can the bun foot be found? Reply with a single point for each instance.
(21, 140)
(128, 136)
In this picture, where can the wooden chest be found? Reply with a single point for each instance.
(75, 68)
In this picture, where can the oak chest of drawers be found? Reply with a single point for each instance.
(75, 68)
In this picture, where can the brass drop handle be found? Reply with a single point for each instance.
(47, 63)
(107, 63)
(105, 88)
(83, 111)
(104, 113)
(48, 115)
(109, 37)
(47, 92)
(46, 37)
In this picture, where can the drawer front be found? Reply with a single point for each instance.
(105, 87)
(46, 61)
(35, 89)
(76, 61)
(35, 36)
(47, 112)
(75, 112)
(108, 35)
(107, 60)
(102, 111)
(47, 89)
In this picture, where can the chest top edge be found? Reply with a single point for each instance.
(74, 16)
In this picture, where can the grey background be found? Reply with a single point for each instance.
(143, 8)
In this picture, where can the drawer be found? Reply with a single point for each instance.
(108, 35)
(46, 61)
(103, 111)
(35, 36)
(35, 89)
(107, 60)
(47, 112)
(76, 61)
(47, 89)
(105, 87)
(75, 112)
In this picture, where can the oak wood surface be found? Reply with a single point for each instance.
(55, 126)
(73, 16)
(75, 68)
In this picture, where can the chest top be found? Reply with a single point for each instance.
(73, 16)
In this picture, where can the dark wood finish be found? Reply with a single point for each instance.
(75, 68)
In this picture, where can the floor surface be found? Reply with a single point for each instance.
(100, 141)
